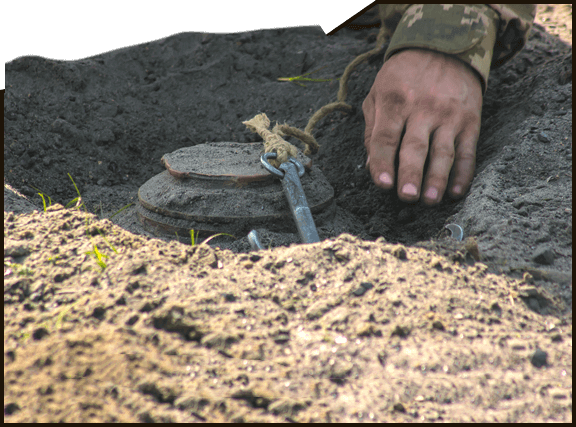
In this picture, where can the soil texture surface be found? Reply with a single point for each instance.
(387, 318)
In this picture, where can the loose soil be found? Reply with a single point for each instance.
(386, 319)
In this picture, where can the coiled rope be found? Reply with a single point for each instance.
(273, 139)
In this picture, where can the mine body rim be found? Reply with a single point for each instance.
(154, 194)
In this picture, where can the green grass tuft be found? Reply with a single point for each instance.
(193, 238)
(99, 256)
(42, 194)
(78, 200)
(298, 79)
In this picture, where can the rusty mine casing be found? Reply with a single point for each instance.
(221, 187)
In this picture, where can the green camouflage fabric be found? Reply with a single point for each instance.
(483, 36)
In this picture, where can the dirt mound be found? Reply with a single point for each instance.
(340, 330)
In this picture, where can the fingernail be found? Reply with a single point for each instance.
(457, 189)
(431, 193)
(367, 161)
(385, 178)
(409, 190)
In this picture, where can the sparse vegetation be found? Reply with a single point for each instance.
(77, 203)
(298, 79)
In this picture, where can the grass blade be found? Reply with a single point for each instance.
(216, 235)
(43, 201)
(298, 79)
(125, 207)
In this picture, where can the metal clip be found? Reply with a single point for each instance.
(456, 230)
(255, 241)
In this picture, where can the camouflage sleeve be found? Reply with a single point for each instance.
(479, 35)
(515, 24)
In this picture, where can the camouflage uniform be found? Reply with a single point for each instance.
(483, 36)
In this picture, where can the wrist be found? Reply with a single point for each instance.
(466, 32)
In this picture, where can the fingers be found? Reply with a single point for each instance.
(464, 162)
(413, 152)
(384, 125)
(383, 147)
(449, 156)
(368, 110)
(441, 161)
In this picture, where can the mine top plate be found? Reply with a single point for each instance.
(222, 161)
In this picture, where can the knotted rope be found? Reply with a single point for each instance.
(273, 141)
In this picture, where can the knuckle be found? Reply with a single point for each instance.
(466, 155)
(394, 97)
(446, 112)
(437, 179)
(471, 118)
(393, 102)
(415, 143)
(445, 151)
(386, 137)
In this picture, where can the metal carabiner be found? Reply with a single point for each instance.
(276, 172)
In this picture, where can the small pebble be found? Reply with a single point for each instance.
(132, 320)
(543, 137)
(399, 252)
(40, 333)
(16, 251)
(527, 277)
(543, 255)
(558, 393)
(471, 246)
(517, 345)
(11, 408)
(556, 338)
(537, 110)
(361, 290)
(228, 297)
(539, 358)
(543, 239)
(534, 304)
(406, 215)
(501, 169)
(437, 324)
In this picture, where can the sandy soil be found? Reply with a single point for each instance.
(386, 319)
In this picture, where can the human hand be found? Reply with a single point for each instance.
(437, 100)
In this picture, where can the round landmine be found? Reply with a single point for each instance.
(222, 187)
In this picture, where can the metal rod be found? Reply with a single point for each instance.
(298, 203)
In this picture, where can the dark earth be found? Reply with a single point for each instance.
(386, 319)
